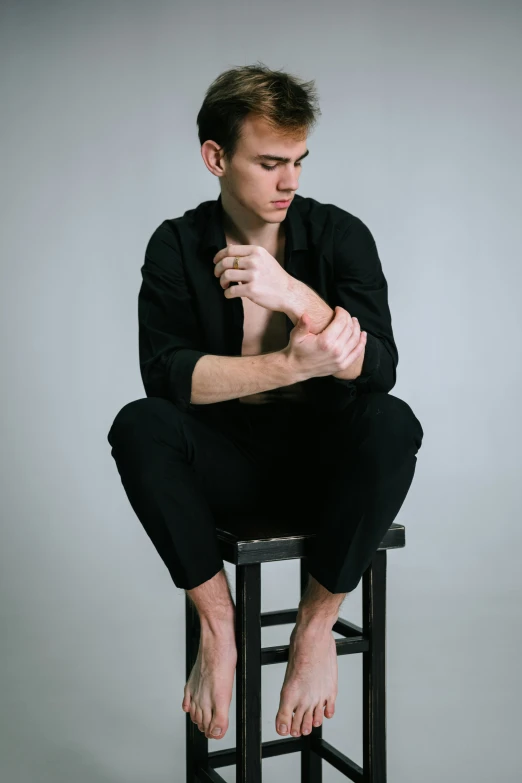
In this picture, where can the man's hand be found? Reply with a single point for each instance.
(331, 352)
(260, 276)
(303, 299)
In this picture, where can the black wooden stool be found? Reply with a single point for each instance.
(262, 540)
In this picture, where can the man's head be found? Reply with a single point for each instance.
(250, 112)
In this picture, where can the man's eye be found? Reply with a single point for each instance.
(271, 168)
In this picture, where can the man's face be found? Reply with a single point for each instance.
(255, 182)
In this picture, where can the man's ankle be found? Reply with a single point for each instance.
(316, 618)
(318, 606)
(214, 604)
(220, 624)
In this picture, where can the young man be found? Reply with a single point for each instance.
(267, 357)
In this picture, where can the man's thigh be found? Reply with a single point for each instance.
(239, 456)
(274, 459)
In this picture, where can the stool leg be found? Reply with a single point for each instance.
(374, 670)
(311, 763)
(248, 674)
(196, 742)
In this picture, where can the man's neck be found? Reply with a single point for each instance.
(274, 244)
(270, 236)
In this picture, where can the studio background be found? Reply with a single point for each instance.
(419, 137)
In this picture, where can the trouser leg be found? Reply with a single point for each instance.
(367, 463)
(177, 469)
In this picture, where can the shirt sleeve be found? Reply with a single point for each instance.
(360, 287)
(169, 333)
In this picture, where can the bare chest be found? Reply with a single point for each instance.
(264, 331)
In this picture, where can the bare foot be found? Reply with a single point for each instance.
(208, 692)
(310, 680)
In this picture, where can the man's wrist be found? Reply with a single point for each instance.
(303, 299)
(292, 370)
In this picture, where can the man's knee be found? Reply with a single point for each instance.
(138, 413)
(400, 418)
(390, 416)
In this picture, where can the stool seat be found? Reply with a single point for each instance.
(258, 537)
(247, 540)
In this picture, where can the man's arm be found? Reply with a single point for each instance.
(169, 332)
(218, 378)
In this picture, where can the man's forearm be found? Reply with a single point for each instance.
(303, 299)
(218, 378)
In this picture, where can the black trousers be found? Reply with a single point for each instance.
(347, 474)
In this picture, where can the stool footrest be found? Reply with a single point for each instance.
(209, 775)
(279, 653)
(354, 641)
(288, 616)
(337, 759)
(279, 617)
(227, 757)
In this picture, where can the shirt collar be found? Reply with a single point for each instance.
(213, 234)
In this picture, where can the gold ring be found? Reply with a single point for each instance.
(236, 262)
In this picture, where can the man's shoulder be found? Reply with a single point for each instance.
(187, 224)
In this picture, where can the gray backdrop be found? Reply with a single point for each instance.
(420, 138)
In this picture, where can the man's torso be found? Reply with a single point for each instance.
(264, 331)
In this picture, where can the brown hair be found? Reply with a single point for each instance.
(289, 105)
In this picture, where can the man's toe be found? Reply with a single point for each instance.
(218, 726)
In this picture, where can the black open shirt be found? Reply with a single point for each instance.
(183, 313)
